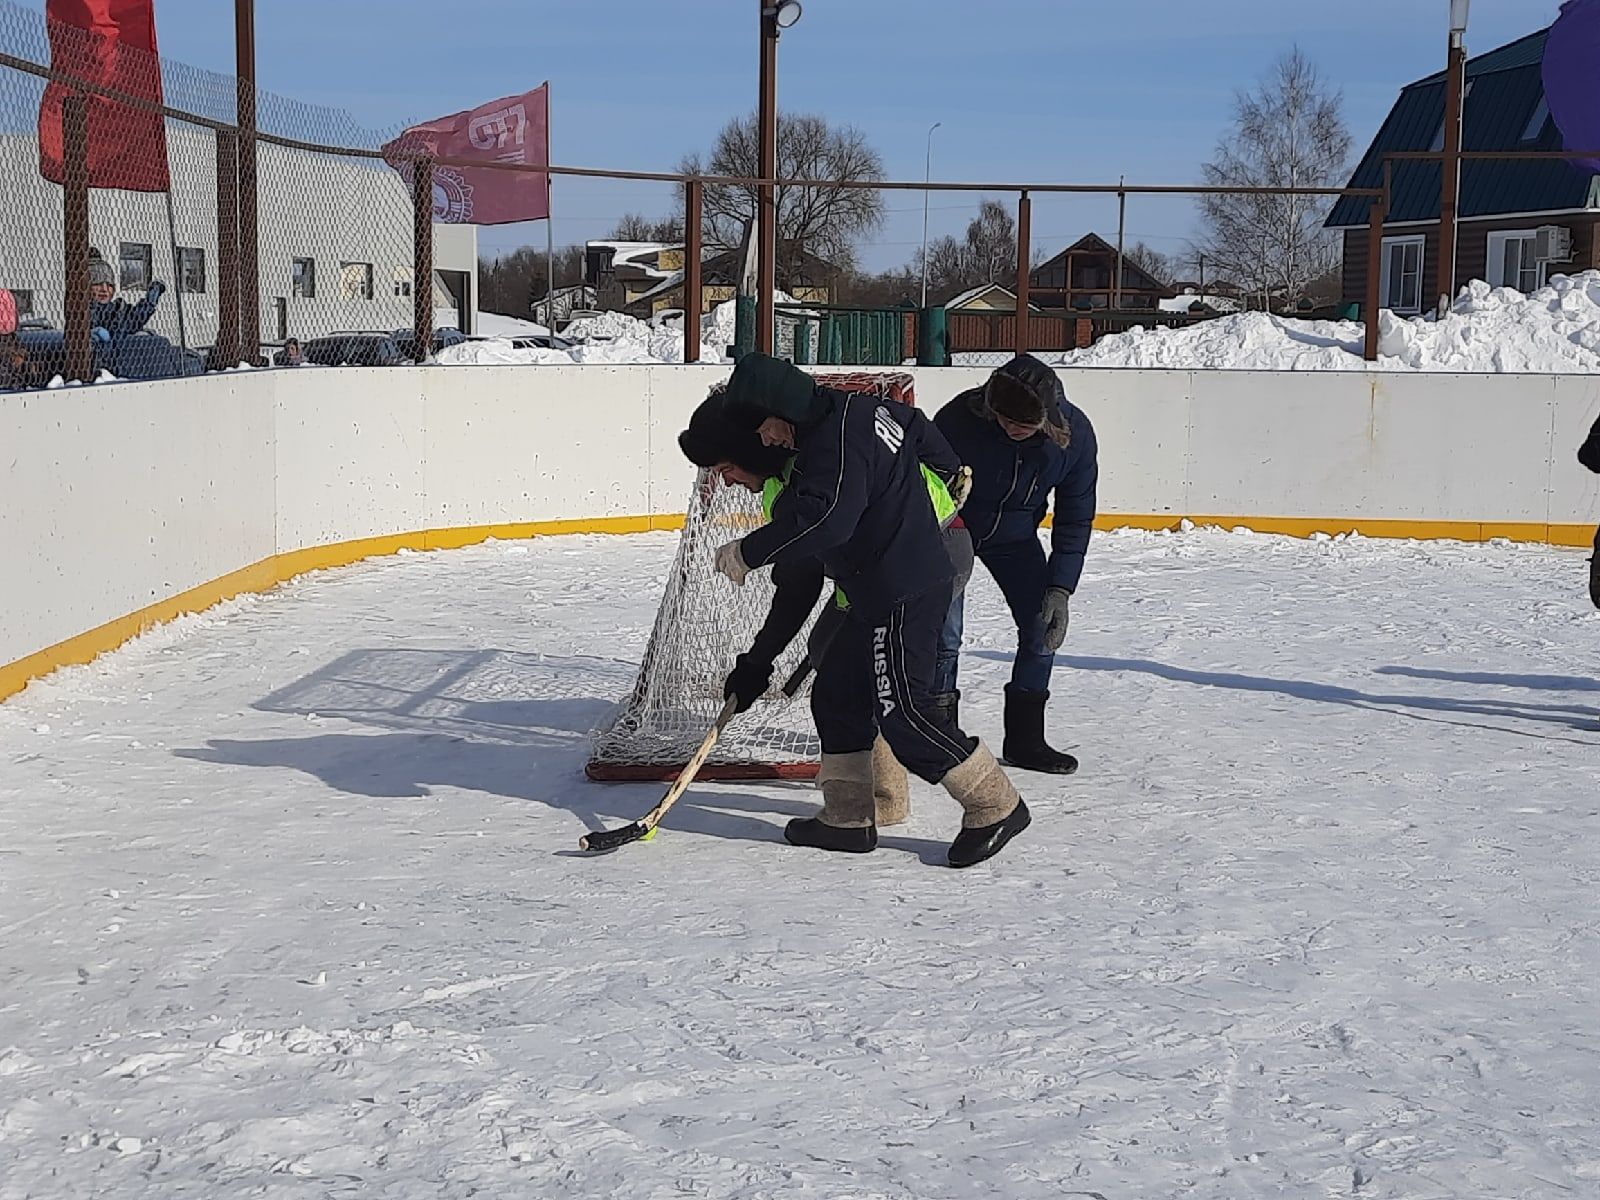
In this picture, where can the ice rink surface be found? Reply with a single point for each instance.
(290, 903)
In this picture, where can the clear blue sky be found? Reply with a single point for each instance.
(1027, 90)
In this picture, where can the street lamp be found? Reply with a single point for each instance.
(774, 19)
(927, 174)
(1450, 191)
(783, 14)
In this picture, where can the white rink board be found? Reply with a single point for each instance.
(113, 498)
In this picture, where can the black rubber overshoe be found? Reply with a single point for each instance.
(808, 831)
(972, 846)
(1024, 746)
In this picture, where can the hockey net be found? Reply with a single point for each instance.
(701, 626)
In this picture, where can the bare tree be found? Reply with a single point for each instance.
(987, 253)
(821, 219)
(1152, 262)
(635, 227)
(1288, 132)
(511, 284)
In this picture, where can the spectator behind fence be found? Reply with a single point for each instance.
(113, 320)
(292, 355)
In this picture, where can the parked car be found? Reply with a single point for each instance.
(541, 341)
(143, 355)
(354, 349)
(406, 340)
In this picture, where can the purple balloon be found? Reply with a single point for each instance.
(1572, 77)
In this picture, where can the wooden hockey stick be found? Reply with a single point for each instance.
(645, 826)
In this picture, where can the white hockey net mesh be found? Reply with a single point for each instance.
(703, 624)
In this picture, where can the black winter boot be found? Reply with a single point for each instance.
(1025, 746)
(808, 831)
(973, 846)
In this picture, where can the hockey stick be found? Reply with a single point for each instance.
(645, 826)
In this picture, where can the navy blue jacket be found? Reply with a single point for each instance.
(857, 500)
(1012, 481)
(119, 318)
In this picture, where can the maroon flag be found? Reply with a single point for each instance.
(108, 44)
(515, 129)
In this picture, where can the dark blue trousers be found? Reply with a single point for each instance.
(1019, 569)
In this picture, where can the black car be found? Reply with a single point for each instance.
(353, 350)
(406, 340)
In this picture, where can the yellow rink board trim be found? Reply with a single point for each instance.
(280, 568)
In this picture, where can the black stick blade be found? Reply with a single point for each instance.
(603, 840)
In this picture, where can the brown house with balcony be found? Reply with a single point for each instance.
(1520, 222)
(1081, 278)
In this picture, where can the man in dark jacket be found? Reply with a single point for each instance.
(1024, 441)
(856, 501)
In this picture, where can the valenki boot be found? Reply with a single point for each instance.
(845, 823)
(992, 812)
(891, 788)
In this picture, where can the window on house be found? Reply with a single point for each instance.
(303, 278)
(135, 261)
(1438, 138)
(1537, 122)
(1512, 261)
(24, 299)
(402, 287)
(355, 280)
(1401, 282)
(192, 269)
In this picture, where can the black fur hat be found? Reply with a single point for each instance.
(717, 435)
(1007, 396)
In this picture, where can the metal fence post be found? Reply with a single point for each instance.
(422, 257)
(249, 235)
(226, 351)
(1375, 273)
(75, 239)
(691, 271)
(1024, 239)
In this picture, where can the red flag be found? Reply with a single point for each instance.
(515, 129)
(109, 44)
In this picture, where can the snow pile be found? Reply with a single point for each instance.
(498, 352)
(1252, 341)
(1182, 304)
(1556, 330)
(609, 338)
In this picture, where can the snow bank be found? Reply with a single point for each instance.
(611, 338)
(1556, 330)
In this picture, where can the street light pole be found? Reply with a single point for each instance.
(1450, 192)
(767, 168)
(927, 175)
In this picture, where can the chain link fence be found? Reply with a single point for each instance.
(126, 178)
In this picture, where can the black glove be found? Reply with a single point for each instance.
(748, 681)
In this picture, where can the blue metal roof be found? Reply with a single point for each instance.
(1507, 90)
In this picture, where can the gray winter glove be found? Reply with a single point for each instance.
(1054, 615)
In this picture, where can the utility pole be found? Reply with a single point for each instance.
(1449, 199)
(927, 175)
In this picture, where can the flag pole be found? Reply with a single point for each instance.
(177, 273)
(549, 225)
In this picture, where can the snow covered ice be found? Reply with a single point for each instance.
(290, 903)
